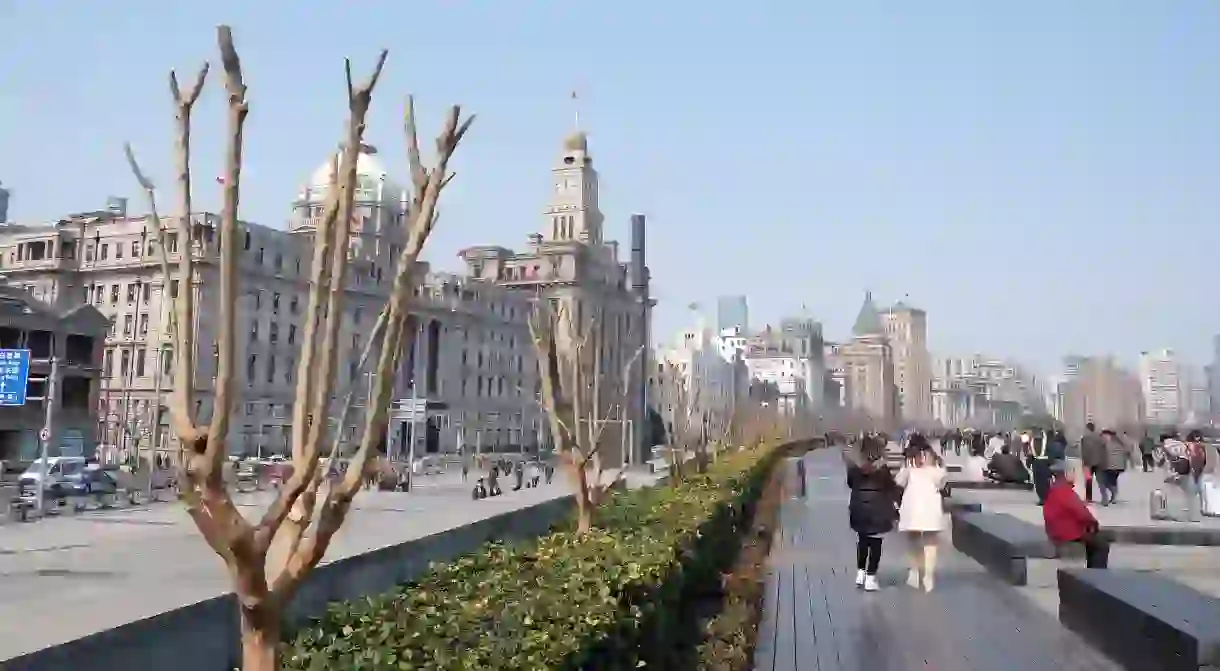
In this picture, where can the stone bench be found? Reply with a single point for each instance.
(1010, 548)
(987, 485)
(1181, 536)
(1142, 620)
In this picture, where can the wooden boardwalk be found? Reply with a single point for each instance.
(815, 619)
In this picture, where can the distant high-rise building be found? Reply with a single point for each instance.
(907, 330)
(732, 312)
(4, 195)
(1101, 392)
(1160, 378)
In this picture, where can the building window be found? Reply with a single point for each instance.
(140, 360)
(254, 331)
(143, 325)
(108, 363)
(173, 288)
(259, 257)
(114, 294)
(258, 300)
(133, 291)
(135, 249)
(147, 291)
(68, 249)
(246, 243)
(118, 251)
(279, 262)
(105, 252)
(275, 302)
(292, 334)
(124, 363)
(271, 370)
(167, 363)
(251, 369)
(89, 252)
(171, 243)
(128, 322)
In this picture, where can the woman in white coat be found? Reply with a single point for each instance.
(921, 517)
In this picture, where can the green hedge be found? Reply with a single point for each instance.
(625, 596)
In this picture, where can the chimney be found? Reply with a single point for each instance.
(639, 268)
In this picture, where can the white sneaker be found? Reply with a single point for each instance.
(870, 583)
(913, 579)
(860, 578)
(927, 583)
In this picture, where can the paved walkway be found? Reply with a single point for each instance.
(816, 620)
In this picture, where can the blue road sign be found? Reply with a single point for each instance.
(14, 376)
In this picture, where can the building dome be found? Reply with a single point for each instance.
(370, 174)
(577, 141)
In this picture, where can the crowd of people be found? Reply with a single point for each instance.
(912, 500)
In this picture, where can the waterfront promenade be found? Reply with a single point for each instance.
(816, 620)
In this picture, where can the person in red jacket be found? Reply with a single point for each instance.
(1068, 520)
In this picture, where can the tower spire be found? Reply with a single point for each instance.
(575, 111)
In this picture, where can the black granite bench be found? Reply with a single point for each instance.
(1142, 620)
(954, 507)
(1002, 544)
(1163, 535)
(988, 485)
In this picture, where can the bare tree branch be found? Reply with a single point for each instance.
(182, 400)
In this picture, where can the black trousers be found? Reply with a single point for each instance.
(868, 553)
(1093, 474)
(1042, 478)
(1148, 462)
(1096, 551)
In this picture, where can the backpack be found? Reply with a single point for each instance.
(1196, 456)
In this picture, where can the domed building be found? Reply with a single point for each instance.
(379, 212)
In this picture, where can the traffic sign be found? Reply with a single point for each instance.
(14, 376)
(45, 434)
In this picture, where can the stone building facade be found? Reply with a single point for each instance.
(74, 337)
(109, 259)
(571, 263)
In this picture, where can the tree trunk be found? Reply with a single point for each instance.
(260, 639)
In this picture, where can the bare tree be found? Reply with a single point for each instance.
(689, 434)
(269, 558)
(576, 399)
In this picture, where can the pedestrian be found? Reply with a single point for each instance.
(921, 515)
(1184, 463)
(1040, 464)
(872, 509)
(1147, 452)
(1092, 457)
(1118, 457)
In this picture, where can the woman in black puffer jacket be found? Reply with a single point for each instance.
(872, 511)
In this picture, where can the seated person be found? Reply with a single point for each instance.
(1007, 467)
(1068, 520)
(975, 467)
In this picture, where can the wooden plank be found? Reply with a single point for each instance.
(764, 649)
(785, 630)
(823, 654)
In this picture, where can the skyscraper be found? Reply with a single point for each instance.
(732, 312)
(4, 194)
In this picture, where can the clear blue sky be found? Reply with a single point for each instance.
(1041, 176)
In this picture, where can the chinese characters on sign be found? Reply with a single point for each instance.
(14, 376)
